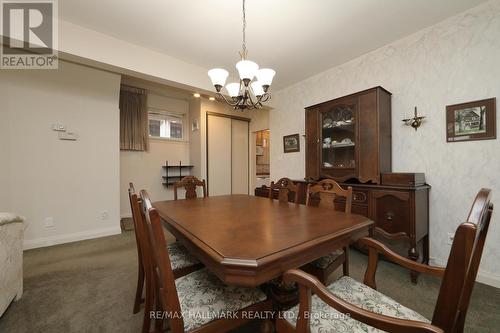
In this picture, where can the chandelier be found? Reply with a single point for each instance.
(254, 83)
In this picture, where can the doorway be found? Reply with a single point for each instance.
(262, 158)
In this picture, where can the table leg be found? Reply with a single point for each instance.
(284, 295)
(267, 326)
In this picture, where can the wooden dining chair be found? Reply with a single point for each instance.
(182, 262)
(190, 183)
(369, 308)
(284, 186)
(323, 194)
(194, 299)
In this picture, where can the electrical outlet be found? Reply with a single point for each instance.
(105, 215)
(49, 222)
(451, 236)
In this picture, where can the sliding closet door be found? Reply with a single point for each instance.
(219, 155)
(227, 156)
(239, 148)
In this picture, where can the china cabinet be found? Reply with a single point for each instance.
(350, 137)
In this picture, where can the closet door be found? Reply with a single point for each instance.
(239, 158)
(219, 155)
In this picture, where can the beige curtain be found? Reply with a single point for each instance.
(134, 132)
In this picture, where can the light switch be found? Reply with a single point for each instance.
(59, 127)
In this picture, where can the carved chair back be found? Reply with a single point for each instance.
(190, 183)
(162, 270)
(139, 228)
(143, 247)
(132, 196)
(284, 186)
(463, 264)
(326, 191)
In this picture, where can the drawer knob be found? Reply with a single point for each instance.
(359, 196)
(389, 216)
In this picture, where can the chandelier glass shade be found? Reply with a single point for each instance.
(252, 89)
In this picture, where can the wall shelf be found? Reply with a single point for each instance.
(172, 176)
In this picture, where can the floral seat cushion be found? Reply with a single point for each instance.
(204, 297)
(180, 256)
(325, 319)
(325, 261)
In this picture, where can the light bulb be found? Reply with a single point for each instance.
(265, 76)
(233, 89)
(218, 76)
(247, 69)
(257, 88)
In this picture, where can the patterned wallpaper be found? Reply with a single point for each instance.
(457, 60)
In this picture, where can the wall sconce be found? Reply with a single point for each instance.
(414, 122)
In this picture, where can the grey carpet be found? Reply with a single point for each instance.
(89, 286)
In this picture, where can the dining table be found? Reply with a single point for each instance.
(247, 240)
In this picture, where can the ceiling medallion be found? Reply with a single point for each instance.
(254, 83)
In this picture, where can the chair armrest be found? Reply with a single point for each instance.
(308, 283)
(375, 247)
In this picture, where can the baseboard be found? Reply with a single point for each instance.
(68, 238)
(484, 277)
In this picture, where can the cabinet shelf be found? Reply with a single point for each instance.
(340, 145)
(339, 126)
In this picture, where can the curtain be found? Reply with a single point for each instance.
(133, 119)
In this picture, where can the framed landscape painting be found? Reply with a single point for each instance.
(291, 143)
(471, 121)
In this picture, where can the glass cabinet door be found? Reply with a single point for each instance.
(338, 135)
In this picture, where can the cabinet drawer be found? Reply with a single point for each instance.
(391, 211)
(355, 209)
(358, 197)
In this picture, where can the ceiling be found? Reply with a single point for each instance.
(298, 38)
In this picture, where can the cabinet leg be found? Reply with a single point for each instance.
(425, 259)
(413, 255)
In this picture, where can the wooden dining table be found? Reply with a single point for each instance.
(247, 240)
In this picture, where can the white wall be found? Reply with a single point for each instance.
(455, 61)
(144, 169)
(4, 165)
(73, 182)
(81, 44)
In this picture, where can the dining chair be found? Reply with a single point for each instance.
(323, 194)
(284, 186)
(370, 309)
(182, 262)
(193, 301)
(190, 183)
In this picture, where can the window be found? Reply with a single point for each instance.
(166, 125)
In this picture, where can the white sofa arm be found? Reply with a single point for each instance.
(11, 259)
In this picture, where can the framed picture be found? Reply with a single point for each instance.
(471, 121)
(291, 143)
